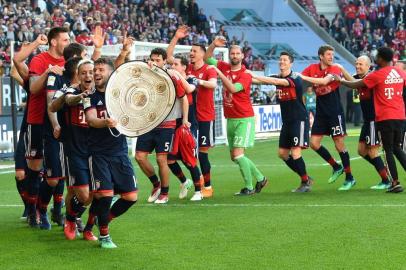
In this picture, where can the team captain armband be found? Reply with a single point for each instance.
(238, 87)
(212, 61)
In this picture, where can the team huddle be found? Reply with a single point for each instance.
(68, 137)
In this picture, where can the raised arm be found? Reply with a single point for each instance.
(356, 84)
(125, 51)
(24, 53)
(346, 74)
(182, 32)
(98, 38)
(217, 42)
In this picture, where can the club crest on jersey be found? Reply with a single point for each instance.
(200, 75)
(51, 80)
(33, 153)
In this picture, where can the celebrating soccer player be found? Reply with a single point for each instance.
(295, 128)
(205, 79)
(239, 113)
(110, 168)
(329, 118)
(160, 138)
(40, 66)
(387, 84)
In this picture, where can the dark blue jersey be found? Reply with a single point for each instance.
(367, 102)
(76, 130)
(54, 83)
(101, 141)
(290, 99)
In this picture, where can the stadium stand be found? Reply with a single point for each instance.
(149, 21)
(364, 26)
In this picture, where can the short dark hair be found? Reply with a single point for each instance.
(54, 32)
(72, 50)
(159, 51)
(291, 59)
(182, 59)
(324, 49)
(104, 61)
(200, 45)
(385, 53)
(70, 67)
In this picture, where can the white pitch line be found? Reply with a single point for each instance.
(268, 205)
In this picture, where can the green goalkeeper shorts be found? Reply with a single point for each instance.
(241, 132)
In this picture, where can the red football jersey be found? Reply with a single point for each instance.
(315, 71)
(205, 96)
(237, 105)
(387, 84)
(37, 103)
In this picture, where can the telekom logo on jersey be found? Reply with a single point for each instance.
(392, 78)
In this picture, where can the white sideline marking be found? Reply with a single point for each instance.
(191, 204)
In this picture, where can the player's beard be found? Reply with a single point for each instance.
(235, 62)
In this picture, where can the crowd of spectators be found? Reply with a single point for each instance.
(364, 26)
(145, 20)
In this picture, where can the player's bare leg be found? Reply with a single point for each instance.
(148, 170)
(162, 160)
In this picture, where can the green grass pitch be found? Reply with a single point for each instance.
(324, 229)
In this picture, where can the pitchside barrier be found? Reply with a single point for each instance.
(268, 118)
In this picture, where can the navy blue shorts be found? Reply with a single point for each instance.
(34, 148)
(54, 158)
(294, 134)
(206, 133)
(109, 173)
(158, 139)
(19, 155)
(78, 173)
(369, 134)
(333, 126)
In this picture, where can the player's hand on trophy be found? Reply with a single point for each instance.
(57, 131)
(220, 41)
(42, 39)
(110, 122)
(182, 32)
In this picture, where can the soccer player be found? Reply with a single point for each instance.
(294, 135)
(206, 82)
(329, 118)
(368, 146)
(239, 113)
(180, 65)
(161, 137)
(110, 168)
(53, 147)
(40, 66)
(75, 144)
(20, 70)
(387, 85)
